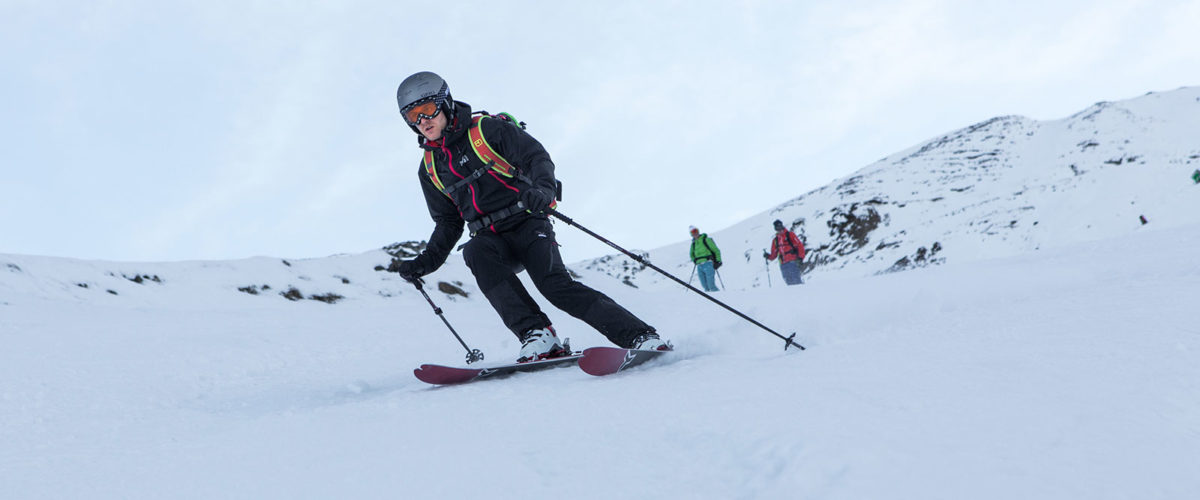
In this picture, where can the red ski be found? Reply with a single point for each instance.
(609, 360)
(443, 375)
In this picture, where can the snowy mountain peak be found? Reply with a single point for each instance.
(1004, 186)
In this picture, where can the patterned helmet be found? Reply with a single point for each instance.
(424, 87)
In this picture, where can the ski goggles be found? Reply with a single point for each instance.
(427, 109)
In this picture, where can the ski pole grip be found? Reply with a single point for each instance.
(560, 216)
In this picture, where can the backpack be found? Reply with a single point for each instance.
(490, 158)
(792, 249)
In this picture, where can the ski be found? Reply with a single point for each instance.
(600, 361)
(446, 375)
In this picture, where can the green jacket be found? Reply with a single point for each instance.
(704, 248)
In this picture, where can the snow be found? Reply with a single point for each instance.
(1063, 365)
(1060, 374)
(1002, 187)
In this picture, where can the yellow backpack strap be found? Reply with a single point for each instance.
(484, 150)
(431, 170)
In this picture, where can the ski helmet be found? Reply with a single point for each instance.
(422, 87)
(778, 224)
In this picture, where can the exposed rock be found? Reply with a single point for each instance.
(405, 250)
(452, 289)
(292, 294)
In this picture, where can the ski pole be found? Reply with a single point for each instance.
(767, 264)
(693, 275)
(719, 278)
(473, 355)
(788, 340)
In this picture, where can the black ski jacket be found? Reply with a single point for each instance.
(488, 194)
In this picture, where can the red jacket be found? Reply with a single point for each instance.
(786, 244)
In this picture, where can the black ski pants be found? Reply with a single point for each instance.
(496, 258)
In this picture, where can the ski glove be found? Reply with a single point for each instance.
(536, 200)
(408, 269)
(716, 265)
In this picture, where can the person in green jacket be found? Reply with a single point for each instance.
(707, 258)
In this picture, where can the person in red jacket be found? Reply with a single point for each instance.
(790, 251)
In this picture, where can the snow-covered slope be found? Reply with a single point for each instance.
(241, 283)
(1005, 186)
(1058, 374)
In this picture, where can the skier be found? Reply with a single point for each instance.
(790, 250)
(707, 258)
(503, 209)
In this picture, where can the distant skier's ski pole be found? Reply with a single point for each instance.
(722, 280)
(767, 264)
(788, 340)
(473, 355)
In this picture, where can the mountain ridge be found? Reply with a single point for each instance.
(1003, 186)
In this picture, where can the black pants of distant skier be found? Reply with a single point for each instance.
(495, 258)
(791, 272)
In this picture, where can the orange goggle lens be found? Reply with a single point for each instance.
(414, 114)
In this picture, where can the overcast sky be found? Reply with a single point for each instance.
(161, 131)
